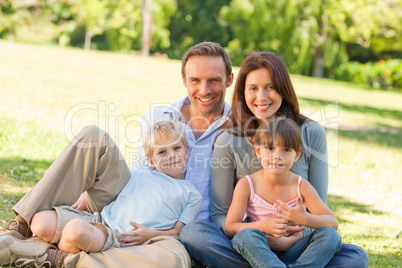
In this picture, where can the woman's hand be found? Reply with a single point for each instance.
(139, 236)
(294, 215)
(81, 203)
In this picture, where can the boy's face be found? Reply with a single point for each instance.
(169, 157)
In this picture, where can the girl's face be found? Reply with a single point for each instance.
(277, 159)
(261, 97)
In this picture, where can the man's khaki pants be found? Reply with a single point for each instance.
(92, 162)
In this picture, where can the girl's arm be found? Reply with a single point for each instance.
(234, 219)
(321, 215)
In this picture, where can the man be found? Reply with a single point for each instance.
(92, 163)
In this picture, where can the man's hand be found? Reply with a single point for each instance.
(81, 203)
(137, 237)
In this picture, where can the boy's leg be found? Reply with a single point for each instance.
(252, 244)
(44, 224)
(79, 235)
(91, 162)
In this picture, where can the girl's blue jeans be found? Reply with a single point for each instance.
(207, 244)
(315, 250)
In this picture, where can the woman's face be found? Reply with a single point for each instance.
(261, 97)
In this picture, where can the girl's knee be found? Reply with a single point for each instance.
(43, 224)
(248, 235)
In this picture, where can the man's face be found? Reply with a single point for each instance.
(206, 83)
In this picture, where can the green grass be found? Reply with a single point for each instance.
(47, 93)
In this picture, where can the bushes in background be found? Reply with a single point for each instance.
(381, 74)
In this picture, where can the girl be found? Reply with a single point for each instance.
(260, 196)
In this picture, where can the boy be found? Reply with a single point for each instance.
(154, 202)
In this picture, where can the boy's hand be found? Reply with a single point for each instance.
(81, 203)
(137, 237)
(294, 215)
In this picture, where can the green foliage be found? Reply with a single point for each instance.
(375, 25)
(194, 22)
(312, 36)
(297, 31)
(381, 74)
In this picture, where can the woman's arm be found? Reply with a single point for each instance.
(315, 143)
(222, 178)
(234, 220)
(320, 216)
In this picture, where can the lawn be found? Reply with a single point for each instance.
(49, 93)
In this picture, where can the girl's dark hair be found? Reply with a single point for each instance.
(242, 121)
(279, 131)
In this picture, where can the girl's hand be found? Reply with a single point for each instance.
(137, 237)
(294, 215)
(273, 226)
(283, 243)
(293, 229)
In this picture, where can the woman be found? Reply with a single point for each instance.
(263, 89)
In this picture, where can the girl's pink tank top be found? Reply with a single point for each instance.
(259, 209)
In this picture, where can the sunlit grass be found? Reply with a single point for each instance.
(47, 93)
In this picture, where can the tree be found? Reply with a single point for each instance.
(146, 27)
(95, 15)
(196, 21)
(12, 16)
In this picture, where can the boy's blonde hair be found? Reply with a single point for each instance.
(163, 130)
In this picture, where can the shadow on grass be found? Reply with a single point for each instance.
(385, 113)
(380, 138)
(338, 203)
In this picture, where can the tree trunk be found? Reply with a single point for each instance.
(319, 64)
(146, 27)
(88, 37)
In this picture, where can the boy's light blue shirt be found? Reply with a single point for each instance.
(153, 199)
(198, 170)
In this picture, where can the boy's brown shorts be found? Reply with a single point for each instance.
(66, 214)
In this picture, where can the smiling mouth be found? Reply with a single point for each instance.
(205, 99)
(263, 107)
(277, 165)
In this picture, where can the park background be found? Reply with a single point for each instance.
(66, 64)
